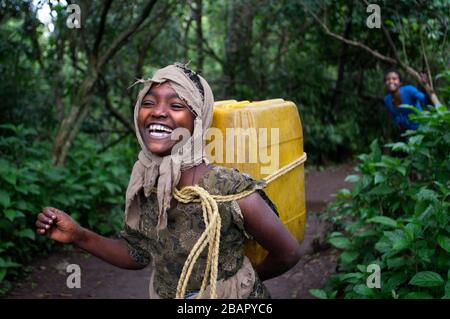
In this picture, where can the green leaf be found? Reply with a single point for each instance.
(401, 170)
(383, 220)
(447, 290)
(382, 189)
(379, 178)
(8, 172)
(416, 140)
(26, 233)
(5, 245)
(396, 262)
(363, 290)
(425, 254)
(318, 293)
(352, 277)
(418, 295)
(383, 245)
(427, 212)
(427, 194)
(395, 280)
(362, 268)
(110, 186)
(444, 242)
(420, 207)
(2, 274)
(398, 239)
(412, 231)
(344, 193)
(336, 234)
(441, 108)
(5, 199)
(375, 150)
(10, 177)
(352, 178)
(399, 146)
(347, 257)
(9, 126)
(340, 242)
(367, 233)
(427, 279)
(8, 264)
(401, 244)
(12, 214)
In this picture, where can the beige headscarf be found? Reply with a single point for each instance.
(167, 169)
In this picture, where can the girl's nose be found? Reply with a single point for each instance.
(160, 110)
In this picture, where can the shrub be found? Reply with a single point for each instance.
(90, 187)
(397, 216)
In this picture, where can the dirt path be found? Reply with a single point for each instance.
(101, 280)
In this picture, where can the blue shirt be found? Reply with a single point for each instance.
(408, 95)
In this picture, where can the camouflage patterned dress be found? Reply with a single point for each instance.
(169, 249)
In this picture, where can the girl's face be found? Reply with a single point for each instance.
(161, 112)
(392, 82)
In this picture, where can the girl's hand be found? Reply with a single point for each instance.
(57, 225)
(424, 78)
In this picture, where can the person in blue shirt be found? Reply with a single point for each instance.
(398, 95)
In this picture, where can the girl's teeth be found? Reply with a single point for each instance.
(159, 131)
(157, 127)
(159, 134)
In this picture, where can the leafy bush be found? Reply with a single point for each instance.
(90, 187)
(397, 216)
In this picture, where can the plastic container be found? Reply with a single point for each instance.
(245, 147)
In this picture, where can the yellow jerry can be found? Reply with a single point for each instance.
(264, 139)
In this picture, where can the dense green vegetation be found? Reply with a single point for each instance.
(66, 132)
(397, 216)
(90, 186)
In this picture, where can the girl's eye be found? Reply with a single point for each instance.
(177, 106)
(148, 104)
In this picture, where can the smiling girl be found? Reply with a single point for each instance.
(398, 95)
(161, 231)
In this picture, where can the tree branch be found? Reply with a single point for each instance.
(412, 72)
(211, 52)
(357, 44)
(162, 14)
(427, 65)
(116, 114)
(123, 37)
(120, 138)
(101, 27)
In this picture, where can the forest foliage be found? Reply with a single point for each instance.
(66, 129)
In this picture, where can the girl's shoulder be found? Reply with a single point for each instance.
(226, 181)
(408, 88)
(387, 98)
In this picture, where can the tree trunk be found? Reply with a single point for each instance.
(336, 98)
(70, 125)
(238, 45)
(199, 32)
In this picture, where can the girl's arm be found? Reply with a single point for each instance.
(263, 224)
(57, 225)
(419, 97)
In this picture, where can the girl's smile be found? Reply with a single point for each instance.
(392, 82)
(162, 111)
